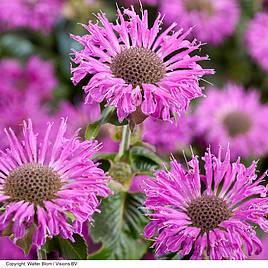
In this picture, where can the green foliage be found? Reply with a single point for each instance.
(120, 227)
(144, 160)
(68, 250)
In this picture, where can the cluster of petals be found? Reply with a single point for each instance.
(168, 137)
(36, 78)
(212, 111)
(75, 202)
(171, 95)
(80, 116)
(170, 193)
(38, 15)
(209, 20)
(256, 39)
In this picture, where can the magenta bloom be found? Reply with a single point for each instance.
(167, 137)
(210, 222)
(16, 110)
(264, 253)
(256, 39)
(240, 121)
(80, 116)
(36, 78)
(9, 251)
(39, 15)
(137, 69)
(48, 186)
(209, 17)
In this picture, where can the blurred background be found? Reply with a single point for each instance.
(35, 51)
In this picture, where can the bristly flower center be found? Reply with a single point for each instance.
(32, 183)
(237, 123)
(207, 212)
(138, 65)
(205, 6)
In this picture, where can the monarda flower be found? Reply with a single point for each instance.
(80, 116)
(207, 16)
(39, 15)
(168, 137)
(35, 77)
(236, 117)
(139, 70)
(206, 215)
(48, 187)
(256, 39)
(15, 110)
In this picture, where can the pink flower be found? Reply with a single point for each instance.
(167, 137)
(137, 69)
(80, 116)
(48, 186)
(236, 117)
(209, 215)
(9, 251)
(264, 254)
(36, 77)
(213, 20)
(16, 110)
(39, 15)
(256, 39)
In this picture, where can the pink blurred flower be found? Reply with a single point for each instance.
(49, 186)
(9, 251)
(80, 116)
(40, 15)
(16, 110)
(136, 68)
(168, 137)
(143, 2)
(35, 77)
(256, 39)
(214, 223)
(213, 20)
(236, 117)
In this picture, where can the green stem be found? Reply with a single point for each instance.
(125, 141)
(41, 254)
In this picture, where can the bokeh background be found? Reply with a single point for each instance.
(35, 51)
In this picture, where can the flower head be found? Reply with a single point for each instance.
(256, 39)
(208, 17)
(137, 69)
(206, 215)
(34, 14)
(80, 116)
(18, 109)
(168, 137)
(48, 186)
(239, 122)
(36, 78)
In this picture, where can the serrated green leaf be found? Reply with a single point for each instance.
(143, 159)
(120, 225)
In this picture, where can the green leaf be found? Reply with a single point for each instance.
(92, 131)
(143, 160)
(102, 254)
(120, 226)
(68, 250)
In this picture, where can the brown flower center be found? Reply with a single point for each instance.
(207, 212)
(137, 66)
(237, 123)
(33, 183)
(205, 6)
